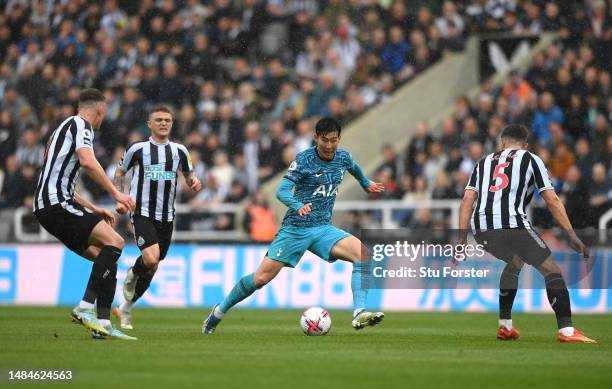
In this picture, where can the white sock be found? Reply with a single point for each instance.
(85, 305)
(567, 331)
(126, 306)
(217, 312)
(506, 323)
(357, 310)
(105, 322)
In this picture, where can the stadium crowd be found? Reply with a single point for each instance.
(564, 98)
(248, 79)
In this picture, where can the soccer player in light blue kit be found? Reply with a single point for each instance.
(314, 178)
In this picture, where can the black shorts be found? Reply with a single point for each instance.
(148, 232)
(506, 243)
(71, 224)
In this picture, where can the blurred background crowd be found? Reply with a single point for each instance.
(249, 78)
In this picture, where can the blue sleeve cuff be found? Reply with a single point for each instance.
(359, 176)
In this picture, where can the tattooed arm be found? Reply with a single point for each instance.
(118, 182)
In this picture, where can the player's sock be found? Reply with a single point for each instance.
(359, 285)
(142, 284)
(106, 270)
(105, 322)
(567, 331)
(91, 292)
(505, 323)
(140, 268)
(559, 300)
(508, 284)
(126, 306)
(243, 289)
(86, 305)
(217, 312)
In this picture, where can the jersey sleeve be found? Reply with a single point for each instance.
(127, 161)
(84, 134)
(355, 170)
(540, 174)
(185, 159)
(295, 171)
(473, 182)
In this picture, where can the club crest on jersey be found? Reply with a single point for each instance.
(326, 190)
(157, 173)
(141, 241)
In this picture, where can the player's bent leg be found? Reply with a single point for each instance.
(103, 279)
(137, 281)
(558, 297)
(91, 252)
(508, 285)
(104, 248)
(267, 270)
(351, 249)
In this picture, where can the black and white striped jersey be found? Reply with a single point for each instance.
(61, 165)
(505, 182)
(154, 178)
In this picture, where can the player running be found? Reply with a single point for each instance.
(65, 214)
(502, 184)
(315, 175)
(155, 164)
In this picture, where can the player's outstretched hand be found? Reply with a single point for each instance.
(375, 187)
(126, 200)
(578, 246)
(305, 210)
(120, 208)
(195, 184)
(106, 215)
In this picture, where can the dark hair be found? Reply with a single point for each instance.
(91, 95)
(517, 132)
(161, 108)
(327, 125)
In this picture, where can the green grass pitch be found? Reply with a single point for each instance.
(266, 349)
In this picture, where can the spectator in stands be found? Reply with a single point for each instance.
(260, 219)
(600, 194)
(548, 113)
(395, 54)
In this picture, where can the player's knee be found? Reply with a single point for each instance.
(548, 267)
(117, 241)
(262, 279)
(151, 260)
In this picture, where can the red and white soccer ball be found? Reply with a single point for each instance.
(315, 321)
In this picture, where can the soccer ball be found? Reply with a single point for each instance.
(315, 321)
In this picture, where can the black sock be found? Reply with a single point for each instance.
(91, 291)
(106, 265)
(558, 297)
(508, 284)
(142, 285)
(140, 268)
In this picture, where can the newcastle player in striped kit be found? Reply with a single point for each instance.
(155, 164)
(501, 185)
(76, 222)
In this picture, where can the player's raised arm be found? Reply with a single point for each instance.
(367, 184)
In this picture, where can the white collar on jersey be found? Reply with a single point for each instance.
(157, 143)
